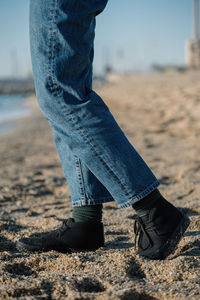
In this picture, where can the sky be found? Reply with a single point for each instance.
(131, 35)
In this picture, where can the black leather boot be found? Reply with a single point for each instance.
(157, 234)
(70, 236)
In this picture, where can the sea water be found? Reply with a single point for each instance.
(11, 108)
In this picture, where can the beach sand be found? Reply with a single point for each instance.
(160, 114)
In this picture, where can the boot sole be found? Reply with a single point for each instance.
(170, 246)
(30, 248)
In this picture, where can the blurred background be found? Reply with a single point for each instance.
(131, 37)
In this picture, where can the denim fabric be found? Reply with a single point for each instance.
(100, 164)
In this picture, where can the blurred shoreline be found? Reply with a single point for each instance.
(16, 86)
(13, 107)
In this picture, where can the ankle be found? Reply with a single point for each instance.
(143, 206)
(87, 213)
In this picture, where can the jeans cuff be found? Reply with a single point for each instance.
(140, 196)
(92, 201)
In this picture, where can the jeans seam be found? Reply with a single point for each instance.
(51, 81)
(81, 177)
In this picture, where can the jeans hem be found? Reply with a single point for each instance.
(141, 195)
(92, 201)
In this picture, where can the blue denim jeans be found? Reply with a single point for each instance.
(99, 162)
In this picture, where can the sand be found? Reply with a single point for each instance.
(160, 114)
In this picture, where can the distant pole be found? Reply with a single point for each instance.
(196, 20)
(193, 46)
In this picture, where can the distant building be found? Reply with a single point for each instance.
(193, 47)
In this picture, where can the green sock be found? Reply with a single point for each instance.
(87, 213)
(143, 206)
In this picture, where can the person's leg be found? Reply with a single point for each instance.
(85, 188)
(62, 33)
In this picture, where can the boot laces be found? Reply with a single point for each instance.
(65, 226)
(141, 228)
